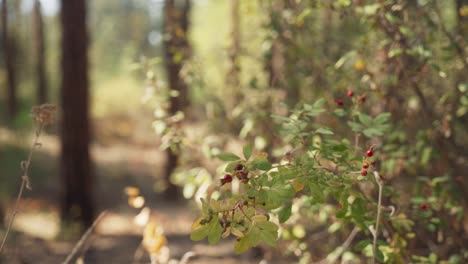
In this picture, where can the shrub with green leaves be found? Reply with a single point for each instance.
(318, 169)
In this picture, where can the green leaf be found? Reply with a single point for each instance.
(247, 151)
(242, 245)
(227, 157)
(365, 119)
(339, 112)
(261, 164)
(372, 132)
(269, 238)
(356, 127)
(362, 244)
(199, 233)
(320, 102)
(279, 193)
(379, 255)
(285, 213)
(230, 166)
(215, 230)
(382, 118)
(426, 155)
(324, 131)
(268, 232)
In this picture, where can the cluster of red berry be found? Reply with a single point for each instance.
(365, 165)
(350, 94)
(241, 174)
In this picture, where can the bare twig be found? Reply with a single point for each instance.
(341, 249)
(83, 239)
(24, 183)
(375, 232)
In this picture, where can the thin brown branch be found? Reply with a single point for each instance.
(332, 257)
(83, 239)
(24, 183)
(375, 232)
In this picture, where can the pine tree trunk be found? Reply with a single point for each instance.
(232, 78)
(8, 51)
(176, 23)
(76, 173)
(38, 28)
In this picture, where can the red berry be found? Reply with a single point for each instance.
(350, 93)
(369, 153)
(242, 175)
(227, 178)
(423, 206)
(363, 172)
(365, 165)
(339, 102)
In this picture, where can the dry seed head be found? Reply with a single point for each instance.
(44, 114)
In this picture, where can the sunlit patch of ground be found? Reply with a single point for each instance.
(40, 224)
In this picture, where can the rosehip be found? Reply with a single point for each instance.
(239, 167)
(369, 153)
(365, 165)
(339, 102)
(423, 206)
(227, 178)
(350, 93)
(363, 172)
(242, 175)
(362, 98)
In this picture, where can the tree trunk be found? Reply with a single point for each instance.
(76, 173)
(232, 78)
(8, 51)
(176, 51)
(38, 28)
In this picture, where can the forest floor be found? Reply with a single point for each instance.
(117, 238)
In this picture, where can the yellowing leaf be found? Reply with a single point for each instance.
(237, 232)
(136, 202)
(131, 191)
(259, 218)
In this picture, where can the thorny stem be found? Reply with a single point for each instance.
(375, 233)
(24, 183)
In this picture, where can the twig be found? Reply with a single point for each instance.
(24, 183)
(83, 239)
(337, 253)
(375, 232)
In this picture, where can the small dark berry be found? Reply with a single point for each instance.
(239, 167)
(369, 153)
(227, 178)
(423, 207)
(350, 93)
(363, 172)
(365, 165)
(339, 102)
(362, 98)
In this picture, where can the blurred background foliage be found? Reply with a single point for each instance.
(408, 58)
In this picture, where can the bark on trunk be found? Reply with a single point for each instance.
(8, 52)
(77, 204)
(176, 51)
(38, 28)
